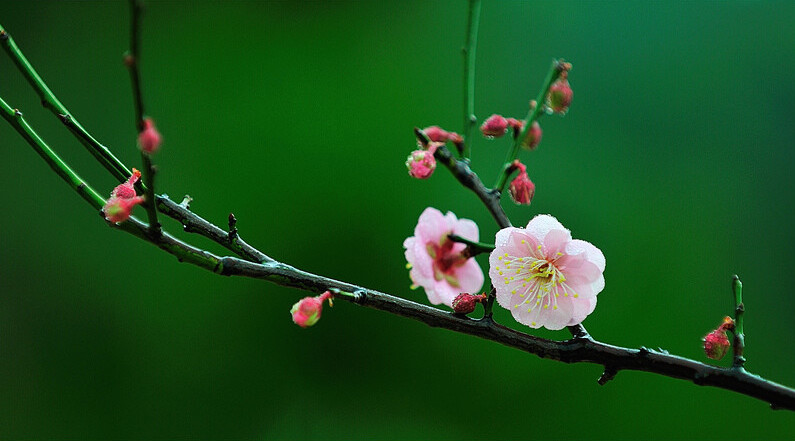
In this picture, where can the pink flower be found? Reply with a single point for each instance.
(560, 95)
(421, 163)
(494, 126)
(127, 189)
(533, 137)
(118, 209)
(716, 343)
(543, 276)
(306, 312)
(437, 263)
(522, 188)
(149, 139)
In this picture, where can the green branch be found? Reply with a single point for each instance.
(739, 335)
(469, 74)
(50, 102)
(558, 66)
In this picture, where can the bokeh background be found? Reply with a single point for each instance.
(676, 159)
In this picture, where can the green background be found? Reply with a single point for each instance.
(676, 159)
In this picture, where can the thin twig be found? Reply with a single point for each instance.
(468, 51)
(558, 66)
(739, 333)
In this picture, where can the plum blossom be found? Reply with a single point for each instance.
(437, 263)
(543, 276)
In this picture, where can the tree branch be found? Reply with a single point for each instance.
(580, 349)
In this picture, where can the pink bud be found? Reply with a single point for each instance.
(494, 126)
(465, 303)
(560, 95)
(149, 139)
(522, 188)
(455, 138)
(306, 312)
(127, 189)
(716, 343)
(436, 134)
(533, 137)
(118, 209)
(421, 163)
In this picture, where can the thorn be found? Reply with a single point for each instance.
(607, 375)
(186, 202)
(232, 227)
(65, 118)
(663, 351)
(643, 351)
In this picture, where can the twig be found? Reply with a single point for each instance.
(50, 102)
(473, 248)
(131, 60)
(558, 66)
(469, 74)
(739, 334)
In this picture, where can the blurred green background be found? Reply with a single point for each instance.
(676, 159)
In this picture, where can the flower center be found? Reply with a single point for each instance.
(445, 260)
(536, 279)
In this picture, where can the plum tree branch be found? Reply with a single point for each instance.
(255, 264)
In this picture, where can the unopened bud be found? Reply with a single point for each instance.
(716, 343)
(522, 188)
(118, 209)
(149, 139)
(560, 95)
(306, 312)
(494, 126)
(127, 189)
(533, 137)
(465, 303)
(421, 163)
(436, 134)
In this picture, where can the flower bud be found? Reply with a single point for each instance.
(306, 312)
(716, 343)
(465, 303)
(522, 188)
(560, 95)
(127, 189)
(436, 134)
(494, 126)
(118, 209)
(149, 139)
(421, 163)
(533, 137)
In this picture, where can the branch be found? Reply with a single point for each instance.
(581, 348)
(558, 66)
(469, 74)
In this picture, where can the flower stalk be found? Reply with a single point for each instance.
(738, 347)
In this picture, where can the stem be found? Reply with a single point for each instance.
(131, 60)
(555, 70)
(739, 335)
(469, 74)
(49, 101)
(14, 117)
(473, 248)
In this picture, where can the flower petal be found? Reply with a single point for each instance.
(542, 224)
(442, 292)
(582, 309)
(470, 277)
(592, 253)
(467, 229)
(431, 226)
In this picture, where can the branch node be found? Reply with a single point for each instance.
(186, 202)
(643, 351)
(359, 296)
(232, 236)
(4, 35)
(609, 373)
